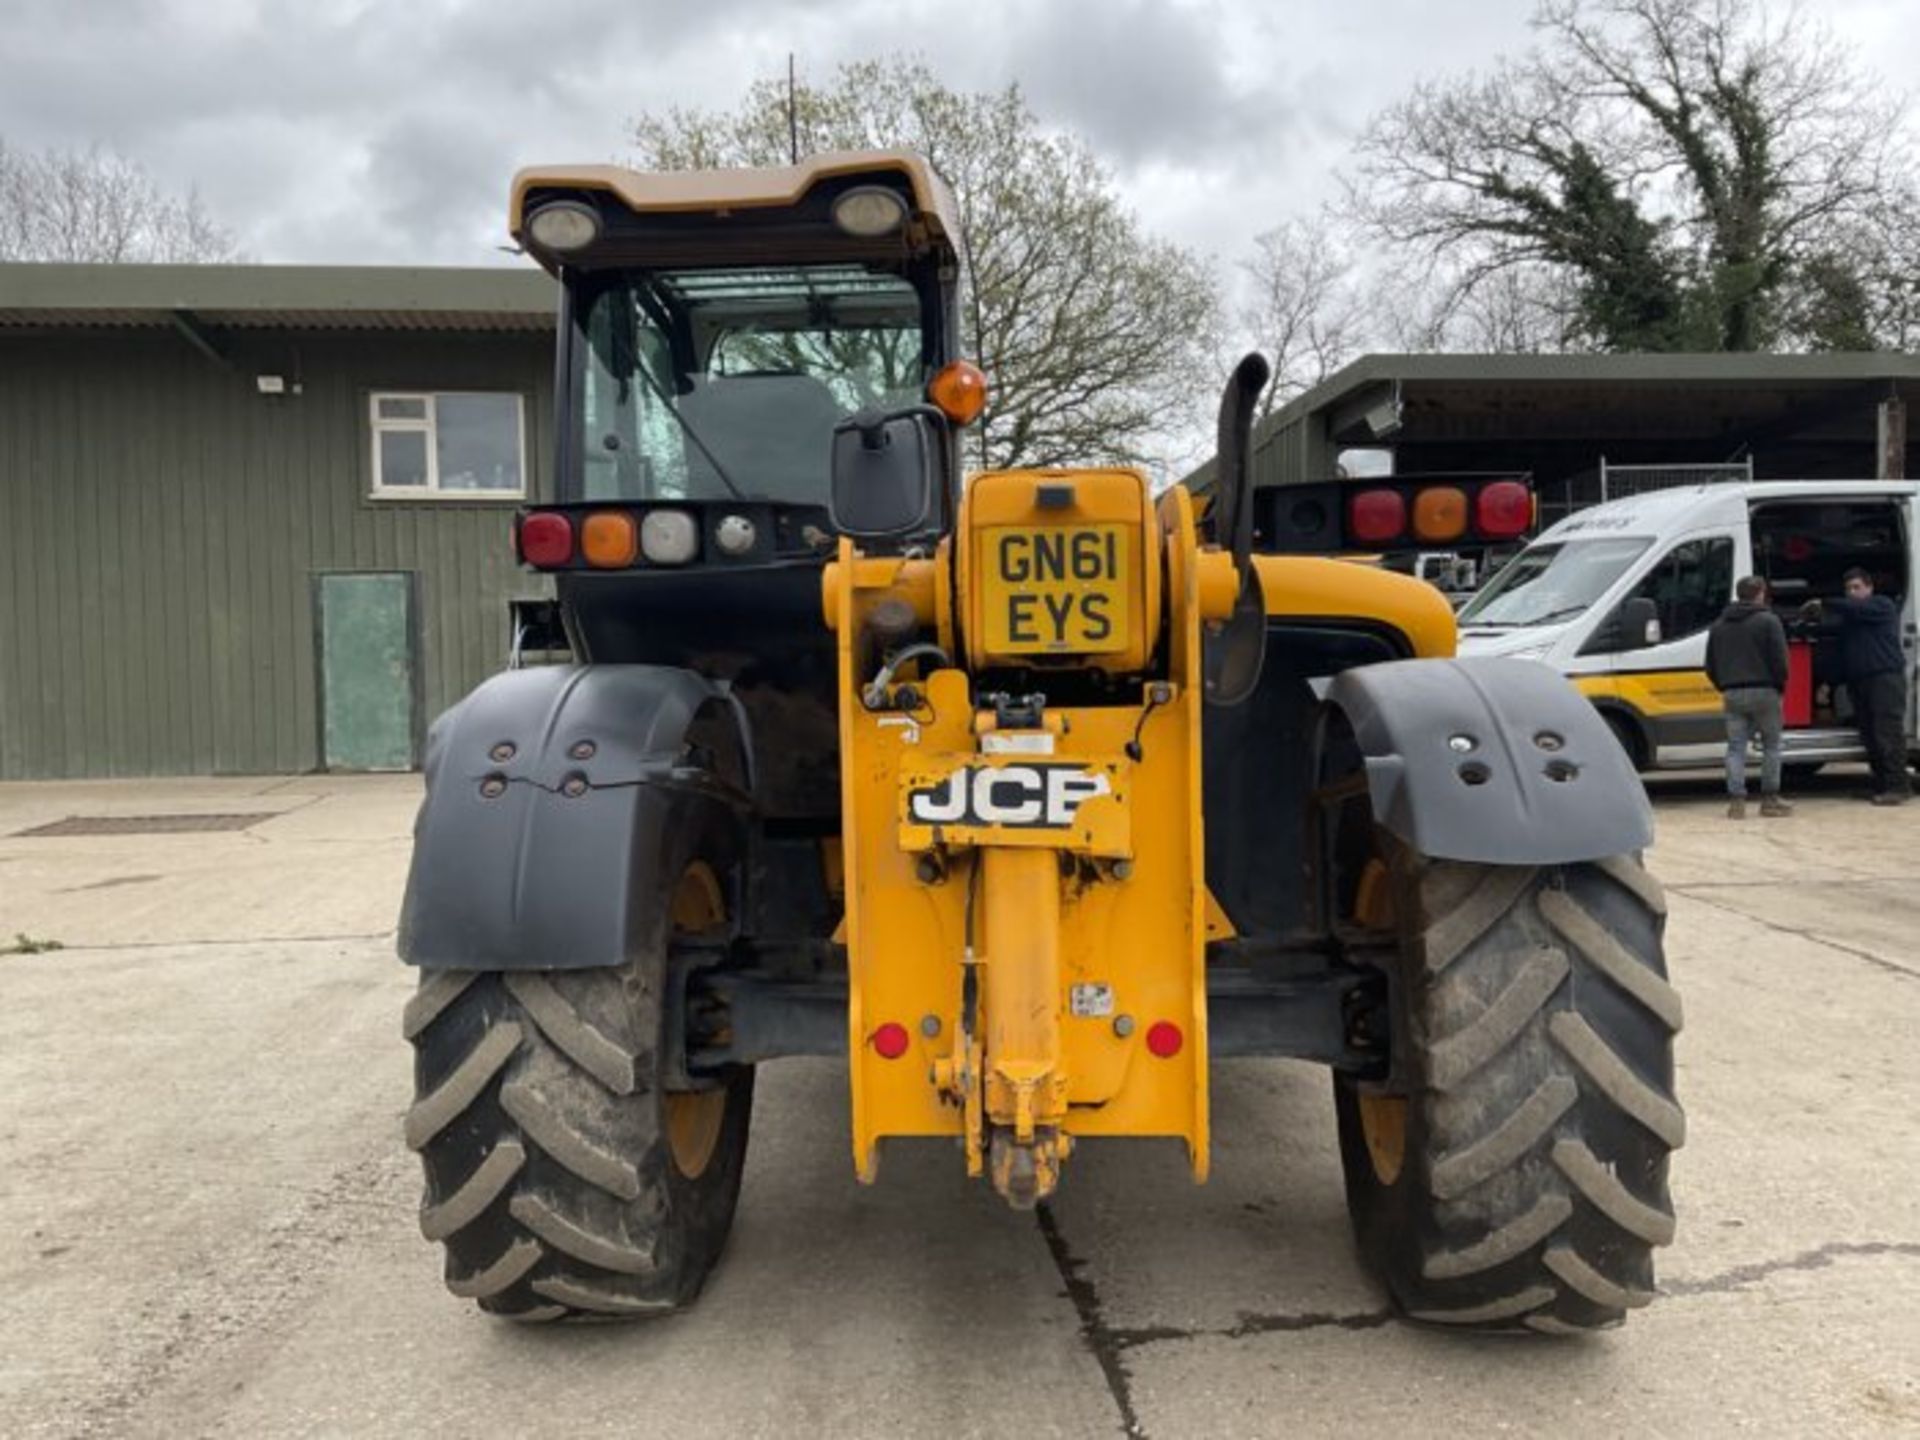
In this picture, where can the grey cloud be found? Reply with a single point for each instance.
(375, 130)
(427, 173)
(1145, 81)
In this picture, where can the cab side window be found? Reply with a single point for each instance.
(1690, 586)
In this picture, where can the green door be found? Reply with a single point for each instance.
(367, 671)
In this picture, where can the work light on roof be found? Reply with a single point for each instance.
(563, 226)
(869, 211)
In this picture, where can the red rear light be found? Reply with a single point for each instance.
(1375, 517)
(546, 540)
(1164, 1039)
(890, 1041)
(1503, 510)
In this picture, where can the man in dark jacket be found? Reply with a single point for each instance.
(1876, 672)
(1747, 663)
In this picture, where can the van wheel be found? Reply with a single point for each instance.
(1514, 1175)
(1627, 732)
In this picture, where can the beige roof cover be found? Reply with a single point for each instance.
(742, 189)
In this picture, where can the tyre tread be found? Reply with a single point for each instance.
(1456, 1057)
(503, 1274)
(1616, 1079)
(1478, 912)
(1457, 1171)
(441, 1106)
(1593, 1179)
(479, 1190)
(1542, 1115)
(438, 990)
(1584, 1279)
(1506, 1307)
(1619, 964)
(597, 1299)
(579, 1239)
(1512, 1239)
(547, 1127)
(584, 1043)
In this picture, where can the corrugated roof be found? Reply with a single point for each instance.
(1592, 370)
(1481, 408)
(303, 297)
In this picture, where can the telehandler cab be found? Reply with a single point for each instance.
(1031, 794)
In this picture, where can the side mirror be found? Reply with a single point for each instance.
(888, 466)
(1634, 624)
(1639, 623)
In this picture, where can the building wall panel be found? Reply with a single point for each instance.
(161, 521)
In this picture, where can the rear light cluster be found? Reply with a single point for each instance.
(1439, 514)
(613, 539)
(546, 541)
(891, 1040)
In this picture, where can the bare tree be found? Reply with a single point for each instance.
(1686, 162)
(1095, 335)
(1309, 310)
(98, 206)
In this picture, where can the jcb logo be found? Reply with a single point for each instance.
(1019, 796)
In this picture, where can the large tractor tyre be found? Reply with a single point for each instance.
(1519, 1177)
(563, 1180)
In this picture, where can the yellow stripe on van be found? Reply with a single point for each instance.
(1656, 694)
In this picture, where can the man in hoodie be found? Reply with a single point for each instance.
(1747, 662)
(1876, 671)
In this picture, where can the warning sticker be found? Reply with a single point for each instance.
(1092, 1000)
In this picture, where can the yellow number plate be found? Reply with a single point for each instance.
(1055, 588)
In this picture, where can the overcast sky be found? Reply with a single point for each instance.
(378, 131)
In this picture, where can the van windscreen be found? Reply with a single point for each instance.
(1546, 584)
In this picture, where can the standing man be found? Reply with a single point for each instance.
(1876, 672)
(1747, 663)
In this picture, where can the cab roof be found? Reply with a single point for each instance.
(663, 192)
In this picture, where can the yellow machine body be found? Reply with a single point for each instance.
(1026, 917)
(1050, 1014)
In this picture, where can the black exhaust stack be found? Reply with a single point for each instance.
(1235, 653)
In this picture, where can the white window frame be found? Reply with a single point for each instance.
(427, 426)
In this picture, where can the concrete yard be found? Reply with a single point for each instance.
(207, 1219)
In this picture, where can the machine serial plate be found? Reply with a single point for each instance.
(1092, 1000)
(1056, 589)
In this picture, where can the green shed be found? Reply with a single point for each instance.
(255, 519)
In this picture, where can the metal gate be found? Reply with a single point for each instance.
(1620, 480)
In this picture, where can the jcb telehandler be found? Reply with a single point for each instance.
(1032, 795)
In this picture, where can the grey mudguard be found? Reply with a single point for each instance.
(1553, 785)
(557, 797)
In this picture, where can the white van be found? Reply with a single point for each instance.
(1619, 599)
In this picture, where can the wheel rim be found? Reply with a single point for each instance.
(694, 1117)
(1383, 1118)
(1383, 1124)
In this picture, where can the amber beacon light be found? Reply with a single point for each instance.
(959, 390)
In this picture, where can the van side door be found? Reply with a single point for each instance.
(1664, 679)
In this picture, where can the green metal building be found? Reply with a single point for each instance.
(254, 519)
